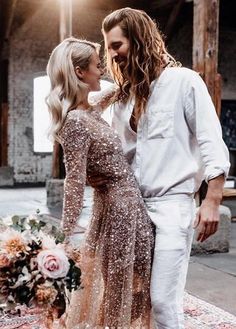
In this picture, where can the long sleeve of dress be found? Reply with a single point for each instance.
(103, 98)
(205, 125)
(75, 146)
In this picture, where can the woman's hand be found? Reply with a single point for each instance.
(71, 251)
(98, 182)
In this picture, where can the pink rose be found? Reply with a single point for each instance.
(53, 263)
(4, 260)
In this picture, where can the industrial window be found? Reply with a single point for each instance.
(42, 143)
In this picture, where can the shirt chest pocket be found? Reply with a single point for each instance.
(161, 122)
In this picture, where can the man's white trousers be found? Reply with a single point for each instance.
(173, 217)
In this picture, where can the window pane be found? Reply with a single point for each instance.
(41, 115)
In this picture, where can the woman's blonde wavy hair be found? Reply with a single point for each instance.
(146, 58)
(67, 91)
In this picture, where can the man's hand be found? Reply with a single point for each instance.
(207, 219)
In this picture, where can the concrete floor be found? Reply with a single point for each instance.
(210, 277)
(213, 277)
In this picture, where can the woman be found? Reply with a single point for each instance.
(116, 254)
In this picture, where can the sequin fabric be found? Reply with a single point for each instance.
(117, 251)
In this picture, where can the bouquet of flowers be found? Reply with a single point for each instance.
(34, 268)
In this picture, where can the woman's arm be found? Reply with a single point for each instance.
(75, 148)
(103, 98)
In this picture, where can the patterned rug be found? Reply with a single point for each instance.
(202, 315)
(198, 315)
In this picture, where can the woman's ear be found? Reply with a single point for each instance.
(79, 72)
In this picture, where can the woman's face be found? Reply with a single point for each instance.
(92, 75)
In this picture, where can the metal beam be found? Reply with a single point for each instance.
(65, 19)
(173, 18)
(162, 4)
(10, 17)
(65, 31)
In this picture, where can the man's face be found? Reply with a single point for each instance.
(117, 45)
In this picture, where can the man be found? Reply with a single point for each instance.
(172, 139)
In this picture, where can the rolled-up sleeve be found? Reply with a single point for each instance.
(203, 121)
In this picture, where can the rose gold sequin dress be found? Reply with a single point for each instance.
(117, 252)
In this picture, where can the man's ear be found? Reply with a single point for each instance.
(79, 72)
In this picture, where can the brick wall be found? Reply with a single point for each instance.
(29, 51)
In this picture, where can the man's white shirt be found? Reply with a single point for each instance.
(179, 139)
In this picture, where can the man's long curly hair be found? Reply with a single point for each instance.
(147, 55)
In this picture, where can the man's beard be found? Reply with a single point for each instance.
(121, 62)
(120, 70)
